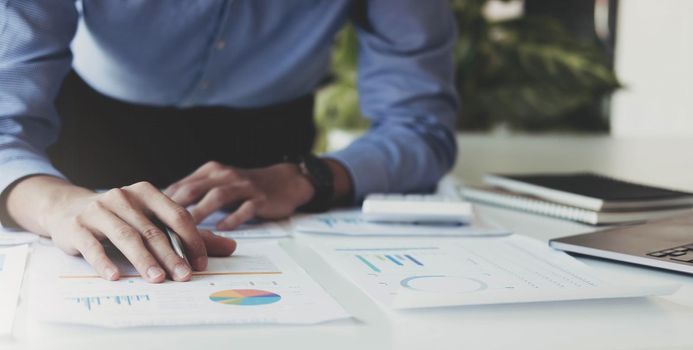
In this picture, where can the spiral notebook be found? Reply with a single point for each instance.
(590, 191)
(513, 200)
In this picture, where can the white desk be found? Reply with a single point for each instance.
(654, 323)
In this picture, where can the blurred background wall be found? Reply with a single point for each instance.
(654, 61)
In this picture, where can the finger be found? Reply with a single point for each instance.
(153, 237)
(126, 239)
(158, 243)
(193, 191)
(92, 251)
(217, 245)
(220, 197)
(245, 212)
(199, 173)
(177, 218)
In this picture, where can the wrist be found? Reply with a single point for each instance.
(304, 188)
(34, 201)
(59, 201)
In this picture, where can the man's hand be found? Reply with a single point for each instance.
(273, 192)
(78, 220)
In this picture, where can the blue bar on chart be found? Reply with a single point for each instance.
(413, 259)
(368, 263)
(397, 262)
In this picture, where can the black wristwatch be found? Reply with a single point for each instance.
(320, 176)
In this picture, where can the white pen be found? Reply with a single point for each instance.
(173, 237)
(176, 243)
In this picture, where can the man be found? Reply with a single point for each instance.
(212, 100)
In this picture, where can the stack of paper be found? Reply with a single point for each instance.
(351, 223)
(471, 271)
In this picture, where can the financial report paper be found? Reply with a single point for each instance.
(12, 264)
(471, 271)
(351, 223)
(15, 237)
(259, 284)
(252, 229)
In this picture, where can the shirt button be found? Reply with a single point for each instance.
(204, 85)
(220, 45)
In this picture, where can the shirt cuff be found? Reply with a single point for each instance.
(15, 170)
(367, 170)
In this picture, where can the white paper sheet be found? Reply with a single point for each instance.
(14, 237)
(12, 263)
(472, 271)
(260, 284)
(350, 223)
(253, 229)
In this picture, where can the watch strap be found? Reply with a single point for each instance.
(320, 176)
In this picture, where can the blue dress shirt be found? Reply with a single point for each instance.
(241, 53)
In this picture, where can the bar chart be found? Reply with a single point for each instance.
(378, 260)
(372, 261)
(92, 302)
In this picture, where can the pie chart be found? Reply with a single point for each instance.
(443, 284)
(244, 297)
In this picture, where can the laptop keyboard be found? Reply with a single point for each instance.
(681, 254)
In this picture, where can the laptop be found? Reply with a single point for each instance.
(665, 244)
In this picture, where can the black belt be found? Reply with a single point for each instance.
(107, 143)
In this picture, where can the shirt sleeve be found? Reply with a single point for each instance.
(35, 36)
(406, 87)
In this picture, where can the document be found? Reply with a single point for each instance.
(12, 264)
(260, 284)
(351, 223)
(13, 237)
(252, 229)
(471, 271)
